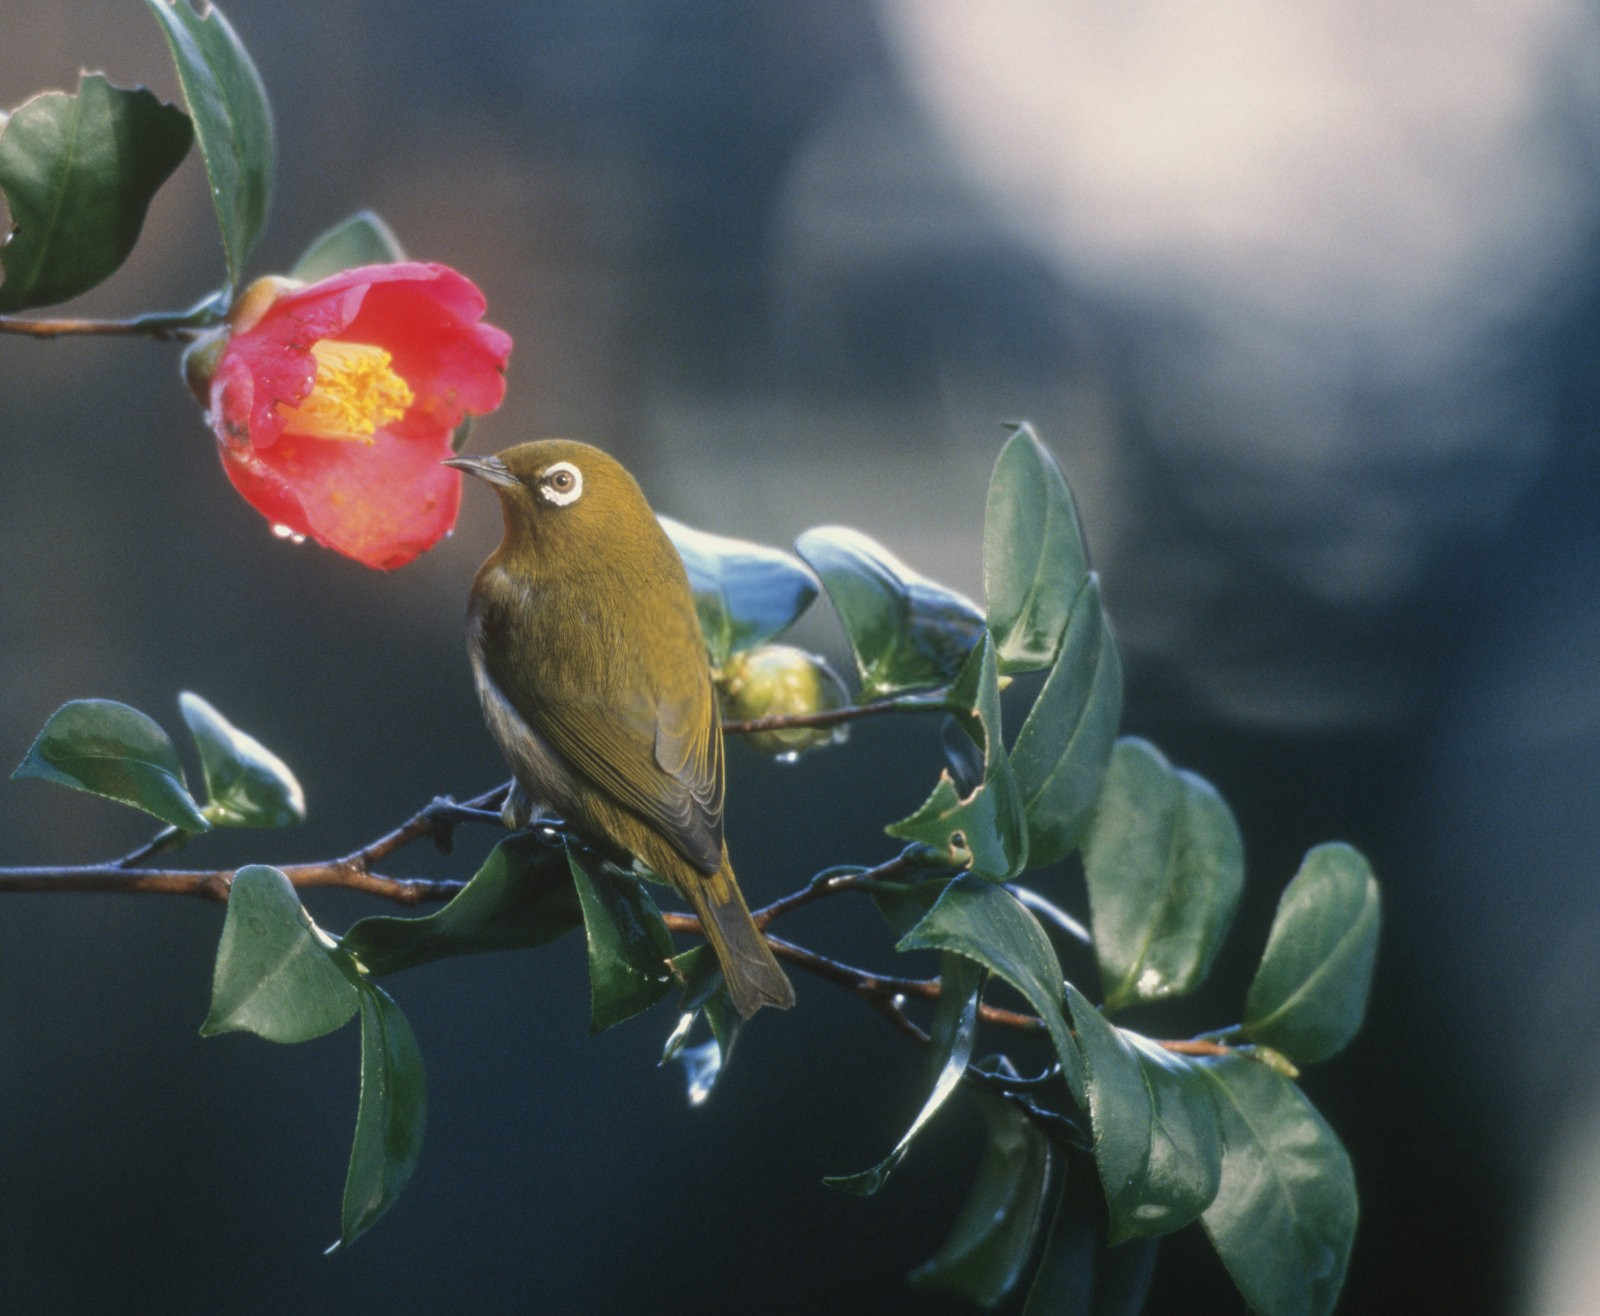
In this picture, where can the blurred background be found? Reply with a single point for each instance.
(1305, 301)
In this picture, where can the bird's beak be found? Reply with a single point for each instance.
(490, 469)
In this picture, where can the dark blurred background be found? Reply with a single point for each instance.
(1304, 300)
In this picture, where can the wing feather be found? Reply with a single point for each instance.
(659, 754)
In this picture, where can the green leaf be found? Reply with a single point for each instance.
(989, 1245)
(521, 896)
(953, 1032)
(1165, 865)
(744, 593)
(116, 752)
(905, 904)
(247, 784)
(362, 239)
(277, 974)
(1034, 559)
(1066, 742)
(1310, 991)
(1078, 1273)
(629, 944)
(1156, 1137)
(905, 630)
(986, 923)
(1284, 1217)
(232, 119)
(984, 830)
(78, 172)
(962, 755)
(389, 1118)
(705, 997)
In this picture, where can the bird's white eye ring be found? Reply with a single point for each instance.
(561, 484)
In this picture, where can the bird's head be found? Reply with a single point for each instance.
(559, 495)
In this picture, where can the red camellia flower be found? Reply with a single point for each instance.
(334, 403)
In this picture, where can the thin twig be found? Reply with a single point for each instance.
(168, 838)
(438, 819)
(214, 883)
(160, 328)
(355, 871)
(828, 717)
(831, 884)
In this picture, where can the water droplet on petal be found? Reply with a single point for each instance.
(288, 532)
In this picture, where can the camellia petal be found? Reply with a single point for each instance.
(381, 505)
(335, 404)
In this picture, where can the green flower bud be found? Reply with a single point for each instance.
(778, 680)
(200, 360)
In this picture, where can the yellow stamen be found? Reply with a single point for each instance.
(355, 392)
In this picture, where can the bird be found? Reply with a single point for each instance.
(595, 683)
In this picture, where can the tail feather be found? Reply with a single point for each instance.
(748, 966)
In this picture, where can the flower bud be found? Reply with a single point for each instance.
(199, 362)
(256, 300)
(778, 680)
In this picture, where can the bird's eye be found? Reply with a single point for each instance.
(561, 484)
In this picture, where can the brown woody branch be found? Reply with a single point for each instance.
(829, 717)
(161, 328)
(356, 871)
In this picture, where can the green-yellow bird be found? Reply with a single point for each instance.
(594, 681)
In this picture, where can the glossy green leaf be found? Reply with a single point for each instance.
(362, 239)
(705, 989)
(232, 120)
(521, 896)
(984, 830)
(78, 171)
(278, 975)
(1061, 753)
(905, 904)
(116, 752)
(1310, 991)
(1079, 1274)
(1034, 559)
(986, 1253)
(963, 755)
(986, 923)
(1284, 1217)
(246, 783)
(953, 1032)
(1165, 865)
(629, 944)
(705, 999)
(390, 1116)
(905, 631)
(744, 593)
(1156, 1137)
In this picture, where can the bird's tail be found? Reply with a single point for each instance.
(748, 966)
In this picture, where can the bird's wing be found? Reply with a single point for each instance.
(659, 756)
(688, 748)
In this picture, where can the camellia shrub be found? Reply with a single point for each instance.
(335, 391)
